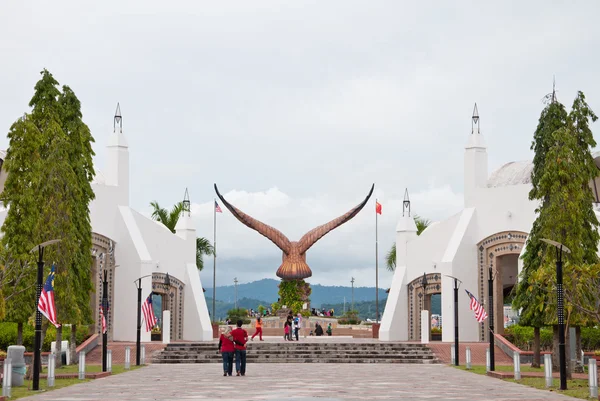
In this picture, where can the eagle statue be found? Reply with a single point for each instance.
(293, 266)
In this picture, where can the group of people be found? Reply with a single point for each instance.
(319, 330)
(233, 342)
(292, 326)
(322, 312)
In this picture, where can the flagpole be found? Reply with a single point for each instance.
(376, 268)
(214, 258)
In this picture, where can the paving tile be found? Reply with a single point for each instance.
(299, 382)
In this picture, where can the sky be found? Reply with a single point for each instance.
(295, 108)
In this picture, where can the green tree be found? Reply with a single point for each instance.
(169, 218)
(47, 192)
(565, 215)
(22, 165)
(390, 258)
(530, 298)
(80, 155)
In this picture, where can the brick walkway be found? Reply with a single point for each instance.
(300, 382)
(442, 351)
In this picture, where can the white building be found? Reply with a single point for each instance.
(130, 245)
(490, 231)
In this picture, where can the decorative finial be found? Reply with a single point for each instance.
(118, 119)
(475, 120)
(186, 202)
(406, 203)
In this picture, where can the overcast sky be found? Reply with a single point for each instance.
(295, 108)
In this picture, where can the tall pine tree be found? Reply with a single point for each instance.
(48, 191)
(530, 298)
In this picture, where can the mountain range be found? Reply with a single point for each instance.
(266, 290)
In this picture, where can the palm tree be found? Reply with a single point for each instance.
(390, 258)
(170, 218)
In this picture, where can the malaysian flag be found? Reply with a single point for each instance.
(46, 301)
(480, 313)
(218, 208)
(148, 312)
(103, 318)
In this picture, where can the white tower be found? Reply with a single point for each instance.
(476, 161)
(395, 316)
(117, 167)
(185, 226)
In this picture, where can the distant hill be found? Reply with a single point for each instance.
(367, 309)
(266, 290)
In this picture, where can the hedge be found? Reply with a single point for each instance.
(8, 335)
(522, 337)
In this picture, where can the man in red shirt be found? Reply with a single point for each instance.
(240, 338)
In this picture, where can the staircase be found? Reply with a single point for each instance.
(285, 352)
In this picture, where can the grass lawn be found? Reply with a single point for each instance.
(25, 391)
(575, 388)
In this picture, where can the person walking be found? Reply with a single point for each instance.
(296, 328)
(240, 338)
(318, 329)
(300, 324)
(226, 348)
(258, 331)
(329, 331)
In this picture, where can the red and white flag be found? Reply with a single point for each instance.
(148, 312)
(475, 306)
(218, 208)
(378, 207)
(46, 302)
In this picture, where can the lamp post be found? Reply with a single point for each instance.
(561, 312)
(235, 281)
(424, 285)
(456, 287)
(104, 310)
(491, 314)
(138, 342)
(37, 346)
(352, 281)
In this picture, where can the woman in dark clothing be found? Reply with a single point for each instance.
(227, 350)
(318, 329)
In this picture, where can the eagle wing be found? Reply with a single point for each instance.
(315, 234)
(271, 233)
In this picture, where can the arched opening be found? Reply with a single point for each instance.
(500, 253)
(423, 295)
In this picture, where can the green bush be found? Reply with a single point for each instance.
(350, 317)
(8, 335)
(237, 314)
(436, 330)
(522, 337)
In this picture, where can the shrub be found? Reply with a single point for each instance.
(237, 314)
(436, 330)
(8, 335)
(522, 337)
(350, 317)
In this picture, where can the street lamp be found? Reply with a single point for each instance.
(235, 281)
(491, 313)
(352, 281)
(138, 345)
(561, 312)
(37, 346)
(424, 285)
(456, 287)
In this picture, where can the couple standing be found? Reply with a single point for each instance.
(234, 342)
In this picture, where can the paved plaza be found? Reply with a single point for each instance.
(299, 382)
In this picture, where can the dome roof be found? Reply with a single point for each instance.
(513, 173)
(517, 173)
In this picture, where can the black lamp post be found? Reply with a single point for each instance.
(456, 286)
(491, 314)
(138, 341)
(562, 357)
(424, 285)
(37, 346)
(104, 310)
